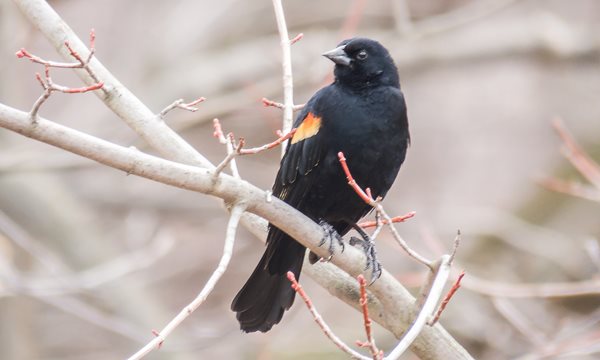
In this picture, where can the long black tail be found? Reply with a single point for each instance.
(260, 304)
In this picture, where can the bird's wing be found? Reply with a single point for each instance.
(303, 154)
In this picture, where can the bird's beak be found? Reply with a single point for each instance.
(338, 56)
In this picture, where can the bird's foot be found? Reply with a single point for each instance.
(368, 246)
(330, 236)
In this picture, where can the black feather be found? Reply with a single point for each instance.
(362, 114)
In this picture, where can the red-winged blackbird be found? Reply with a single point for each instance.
(363, 114)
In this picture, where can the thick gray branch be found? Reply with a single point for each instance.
(433, 343)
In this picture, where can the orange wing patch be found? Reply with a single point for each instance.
(310, 127)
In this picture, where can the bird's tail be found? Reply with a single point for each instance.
(260, 304)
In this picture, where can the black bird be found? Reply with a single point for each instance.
(362, 114)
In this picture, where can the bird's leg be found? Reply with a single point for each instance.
(329, 236)
(368, 246)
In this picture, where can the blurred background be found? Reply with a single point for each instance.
(92, 260)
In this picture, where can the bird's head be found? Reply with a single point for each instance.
(362, 62)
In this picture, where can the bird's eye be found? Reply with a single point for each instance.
(362, 55)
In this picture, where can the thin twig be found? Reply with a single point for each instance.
(296, 38)
(236, 213)
(395, 219)
(471, 12)
(47, 83)
(364, 303)
(402, 17)
(181, 105)
(268, 146)
(266, 102)
(518, 320)
(437, 288)
(286, 64)
(378, 226)
(319, 320)
(575, 154)
(22, 53)
(357, 189)
(228, 142)
(572, 188)
(234, 150)
(353, 19)
(589, 287)
(446, 300)
(455, 246)
(403, 244)
(231, 154)
(365, 195)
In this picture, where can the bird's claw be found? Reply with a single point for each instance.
(330, 236)
(370, 251)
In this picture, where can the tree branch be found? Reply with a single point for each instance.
(395, 300)
(286, 64)
(234, 219)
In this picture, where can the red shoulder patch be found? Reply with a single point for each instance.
(309, 127)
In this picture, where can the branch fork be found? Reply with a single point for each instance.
(191, 106)
(367, 197)
(235, 149)
(49, 86)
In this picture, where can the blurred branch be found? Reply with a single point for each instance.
(64, 281)
(15, 233)
(236, 212)
(582, 161)
(402, 17)
(472, 11)
(544, 290)
(518, 320)
(573, 188)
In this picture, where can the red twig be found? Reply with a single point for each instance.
(50, 86)
(447, 298)
(575, 154)
(359, 191)
(296, 38)
(319, 319)
(232, 149)
(367, 197)
(78, 90)
(268, 146)
(364, 303)
(395, 219)
(571, 188)
(266, 102)
(218, 133)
